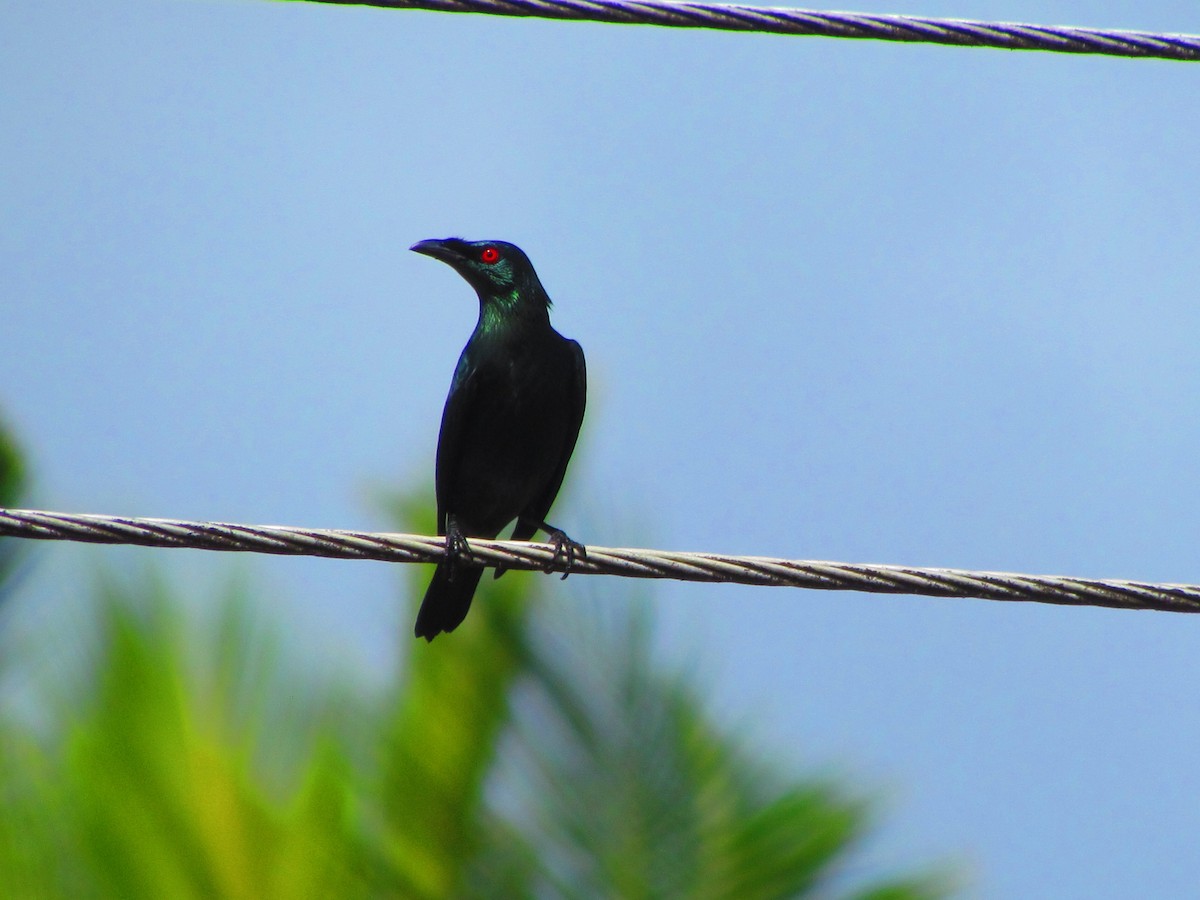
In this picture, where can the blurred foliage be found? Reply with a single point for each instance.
(525, 755)
(12, 492)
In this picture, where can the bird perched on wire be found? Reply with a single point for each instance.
(509, 426)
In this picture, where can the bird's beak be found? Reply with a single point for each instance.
(437, 249)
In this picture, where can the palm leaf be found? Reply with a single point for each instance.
(619, 778)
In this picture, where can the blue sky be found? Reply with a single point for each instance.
(840, 300)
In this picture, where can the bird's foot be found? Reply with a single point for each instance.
(458, 550)
(566, 551)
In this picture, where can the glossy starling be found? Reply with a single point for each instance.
(510, 423)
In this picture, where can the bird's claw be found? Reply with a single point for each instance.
(566, 551)
(457, 548)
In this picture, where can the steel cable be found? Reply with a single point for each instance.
(631, 563)
(781, 20)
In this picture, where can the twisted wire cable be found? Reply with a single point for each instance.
(778, 20)
(709, 567)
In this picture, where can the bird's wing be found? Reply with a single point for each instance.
(577, 398)
(457, 412)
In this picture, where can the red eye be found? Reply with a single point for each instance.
(490, 255)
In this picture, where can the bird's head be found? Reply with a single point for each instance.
(496, 269)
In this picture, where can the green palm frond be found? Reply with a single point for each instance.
(618, 776)
(153, 780)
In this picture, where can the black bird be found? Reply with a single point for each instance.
(510, 423)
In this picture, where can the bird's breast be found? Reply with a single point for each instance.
(515, 436)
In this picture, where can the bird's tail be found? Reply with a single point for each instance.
(447, 599)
